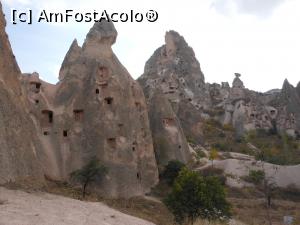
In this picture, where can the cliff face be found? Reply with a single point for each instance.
(19, 145)
(96, 110)
(174, 72)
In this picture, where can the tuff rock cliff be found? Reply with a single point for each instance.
(95, 110)
(19, 149)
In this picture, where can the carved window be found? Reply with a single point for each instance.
(47, 117)
(109, 100)
(112, 142)
(78, 115)
(35, 87)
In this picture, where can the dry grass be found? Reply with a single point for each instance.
(248, 205)
(254, 212)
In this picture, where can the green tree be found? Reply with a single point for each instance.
(213, 154)
(172, 170)
(89, 173)
(193, 197)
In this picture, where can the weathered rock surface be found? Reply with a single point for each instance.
(19, 145)
(95, 110)
(174, 72)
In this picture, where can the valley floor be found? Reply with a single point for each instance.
(22, 208)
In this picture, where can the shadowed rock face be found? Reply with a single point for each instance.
(19, 145)
(168, 137)
(96, 110)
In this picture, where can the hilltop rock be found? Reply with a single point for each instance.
(174, 70)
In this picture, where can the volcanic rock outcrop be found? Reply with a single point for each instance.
(19, 145)
(174, 72)
(95, 110)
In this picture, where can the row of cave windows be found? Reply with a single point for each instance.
(78, 113)
(65, 133)
(112, 143)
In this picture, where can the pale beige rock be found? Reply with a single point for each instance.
(23, 208)
(20, 147)
(95, 110)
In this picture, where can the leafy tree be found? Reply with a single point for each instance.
(172, 170)
(91, 172)
(195, 197)
(213, 154)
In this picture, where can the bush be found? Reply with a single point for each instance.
(214, 172)
(200, 154)
(255, 176)
(195, 197)
(172, 170)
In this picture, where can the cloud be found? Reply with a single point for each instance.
(260, 8)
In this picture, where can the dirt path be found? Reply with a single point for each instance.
(21, 208)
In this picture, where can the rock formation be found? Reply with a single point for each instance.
(95, 110)
(19, 145)
(175, 73)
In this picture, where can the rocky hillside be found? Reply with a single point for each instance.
(174, 74)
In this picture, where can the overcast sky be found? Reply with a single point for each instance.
(257, 38)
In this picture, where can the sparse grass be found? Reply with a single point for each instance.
(249, 206)
(248, 203)
(253, 211)
(277, 149)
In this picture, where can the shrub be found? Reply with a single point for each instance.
(214, 172)
(255, 176)
(195, 197)
(172, 170)
(200, 154)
